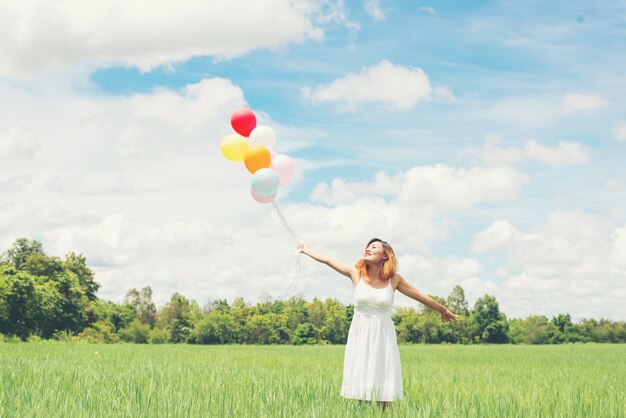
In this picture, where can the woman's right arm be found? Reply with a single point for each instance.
(345, 269)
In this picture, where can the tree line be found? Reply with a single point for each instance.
(45, 297)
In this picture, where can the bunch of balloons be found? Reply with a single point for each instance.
(253, 145)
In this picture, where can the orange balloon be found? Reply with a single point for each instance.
(256, 158)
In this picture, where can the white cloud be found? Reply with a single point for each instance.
(432, 189)
(190, 109)
(618, 250)
(98, 240)
(565, 240)
(15, 184)
(427, 9)
(94, 184)
(38, 34)
(614, 183)
(500, 234)
(572, 255)
(394, 86)
(567, 153)
(17, 143)
(372, 7)
(436, 276)
(448, 270)
(579, 102)
(619, 131)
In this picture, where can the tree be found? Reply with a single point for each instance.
(532, 330)
(77, 264)
(407, 325)
(21, 250)
(178, 317)
(99, 332)
(333, 327)
(220, 305)
(135, 332)
(296, 311)
(73, 304)
(315, 312)
(21, 301)
(5, 319)
(456, 301)
(42, 265)
(492, 324)
(305, 334)
(215, 328)
(141, 301)
(42, 295)
(240, 311)
(261, 329)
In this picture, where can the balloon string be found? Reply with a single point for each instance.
(284, 221)
(295, 270)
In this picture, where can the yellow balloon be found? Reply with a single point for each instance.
(234, 147)
(257, 157)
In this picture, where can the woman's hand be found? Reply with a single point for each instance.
(447, 316)
(301, 247)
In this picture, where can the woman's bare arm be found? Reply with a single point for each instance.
(407, 289)
(345, 269)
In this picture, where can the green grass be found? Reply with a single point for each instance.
(64, 379)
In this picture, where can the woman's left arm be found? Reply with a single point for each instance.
(407, 289)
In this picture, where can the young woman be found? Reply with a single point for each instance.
(371, 369)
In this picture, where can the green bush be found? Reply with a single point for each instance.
(99, 332)
(157, 336)
(135, 332)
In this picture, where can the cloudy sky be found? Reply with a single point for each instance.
(485, 141)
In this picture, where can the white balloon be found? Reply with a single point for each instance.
(263, 135)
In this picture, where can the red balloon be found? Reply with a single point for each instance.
(243, 121)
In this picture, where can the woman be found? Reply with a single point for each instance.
(371, 369)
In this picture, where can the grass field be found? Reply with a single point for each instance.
(65, 379)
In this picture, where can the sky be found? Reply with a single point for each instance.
(484, 140)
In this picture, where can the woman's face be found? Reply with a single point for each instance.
(375, 253)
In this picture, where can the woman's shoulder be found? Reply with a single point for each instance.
(396, 279)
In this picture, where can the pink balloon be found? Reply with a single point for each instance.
(283, 166)
(243, 121)
(262, 199)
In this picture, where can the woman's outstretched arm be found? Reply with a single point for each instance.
(407, 288)
(345, 269)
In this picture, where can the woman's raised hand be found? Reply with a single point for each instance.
(447, 316)
(301, 247)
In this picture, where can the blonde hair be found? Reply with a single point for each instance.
(390, 265)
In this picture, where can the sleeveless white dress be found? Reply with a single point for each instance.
(371, 368)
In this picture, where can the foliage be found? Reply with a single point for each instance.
(98, 332)
(135, 332)
(492, 324)
(44, 297)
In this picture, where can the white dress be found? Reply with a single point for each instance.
(371, 368)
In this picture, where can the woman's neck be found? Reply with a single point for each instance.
(373, 272)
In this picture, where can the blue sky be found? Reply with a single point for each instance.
(485, 140)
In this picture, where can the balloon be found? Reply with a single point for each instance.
(263, 135)
(234, 147)
(283, 165)
(243, 121)
(262, 199)
(256, 158)
(265, 182)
